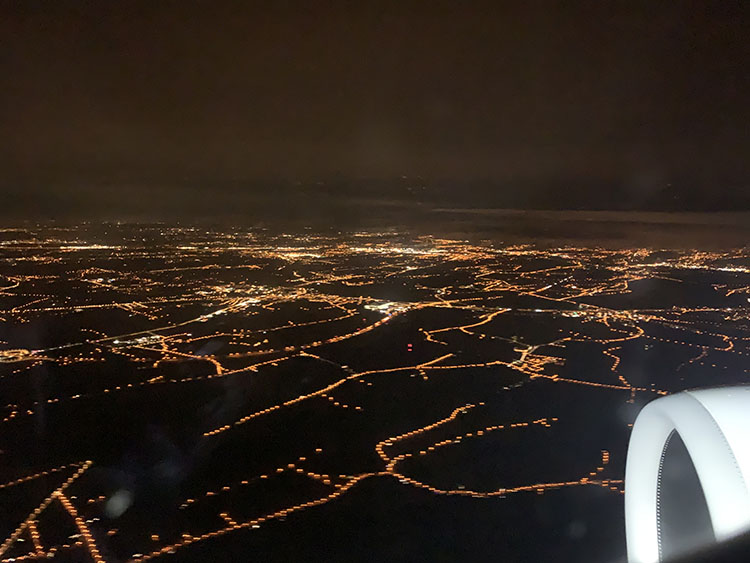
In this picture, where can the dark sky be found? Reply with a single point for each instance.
(185, 97)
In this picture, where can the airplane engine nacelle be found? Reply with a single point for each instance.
(687, 477)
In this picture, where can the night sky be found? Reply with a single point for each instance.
(176, 107)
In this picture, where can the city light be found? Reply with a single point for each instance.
(336, 319)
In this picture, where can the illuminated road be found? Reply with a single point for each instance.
(256, 376)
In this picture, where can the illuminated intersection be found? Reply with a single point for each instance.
(196, 394)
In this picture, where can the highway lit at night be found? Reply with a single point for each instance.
(192, 394)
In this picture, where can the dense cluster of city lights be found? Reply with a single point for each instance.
(205, 307)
